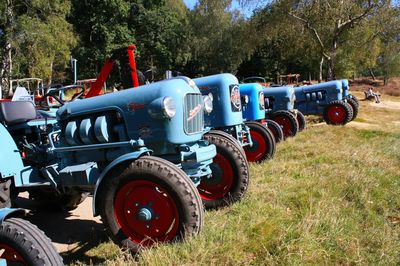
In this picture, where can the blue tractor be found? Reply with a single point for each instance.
(97, 146)
(263, 139)
(324, 99)
(280, 107)
(22, 243)
(227, 119)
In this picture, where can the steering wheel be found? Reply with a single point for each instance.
(77, 95)
(55, 91)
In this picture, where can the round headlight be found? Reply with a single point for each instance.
(261, 100)
(245, 99)
(208, 104)
(169, 107)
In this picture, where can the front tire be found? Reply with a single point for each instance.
(287, 121)
(276, 130)
(149, 200)
(22, 243)
(301, 121)
(264, 144)
(230, 172)
(354, 98)
(354, 106)
(338, 113)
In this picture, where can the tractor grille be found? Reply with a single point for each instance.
(194, 114)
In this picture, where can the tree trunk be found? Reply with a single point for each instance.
(6, 62)
(385, 80)
(331, 70)
(371, 73)
(51, 73)
(321, 64)
(332, 60)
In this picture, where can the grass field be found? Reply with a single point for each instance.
(331, 195)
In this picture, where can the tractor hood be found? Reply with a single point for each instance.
(161, 113)
(279, 98)
(345, 87)
(227, 107)
(254, 109)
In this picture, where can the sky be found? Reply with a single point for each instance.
(247, 12)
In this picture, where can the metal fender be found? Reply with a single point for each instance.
(5, 212)
(124, 158)
(10, 154)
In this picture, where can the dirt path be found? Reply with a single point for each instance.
(69, 231)
(387, 104)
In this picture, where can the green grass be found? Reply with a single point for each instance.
(330, 196)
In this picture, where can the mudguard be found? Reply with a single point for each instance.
(10, 158)
(124, 158)
(5, 212)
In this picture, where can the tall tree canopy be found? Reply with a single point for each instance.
(36, 39)
(220, 38)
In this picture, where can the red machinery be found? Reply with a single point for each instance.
(96, 88)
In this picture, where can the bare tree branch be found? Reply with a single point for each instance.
(314, 32)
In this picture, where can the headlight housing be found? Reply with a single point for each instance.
(261, 100)
(245, 99)
(293, 98)
(208, 103)
(163, 107)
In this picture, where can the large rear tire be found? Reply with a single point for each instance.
(149, 200)
(338, 113)
(230, 172)
(264, 144)
(22, 243)
(276, 130)
(287, 121)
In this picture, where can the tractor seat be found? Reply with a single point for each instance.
(12, 113)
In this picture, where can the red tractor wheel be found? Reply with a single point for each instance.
(301, 121)
(338, 113)
(287, 121)
(276, 130)
(149, 201)
(22, 243)
(264, 144)
(230, 172)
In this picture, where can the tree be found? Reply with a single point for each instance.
(162, 35)
(102, 26)
(328, 21)
(389, 58)
(6, 30)
(220, 38)
(36, 38)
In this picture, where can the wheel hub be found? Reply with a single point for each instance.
(145, 214)
(259, 148)
(285, 124)
(11, 255)
(336, 114)
(220, 183)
